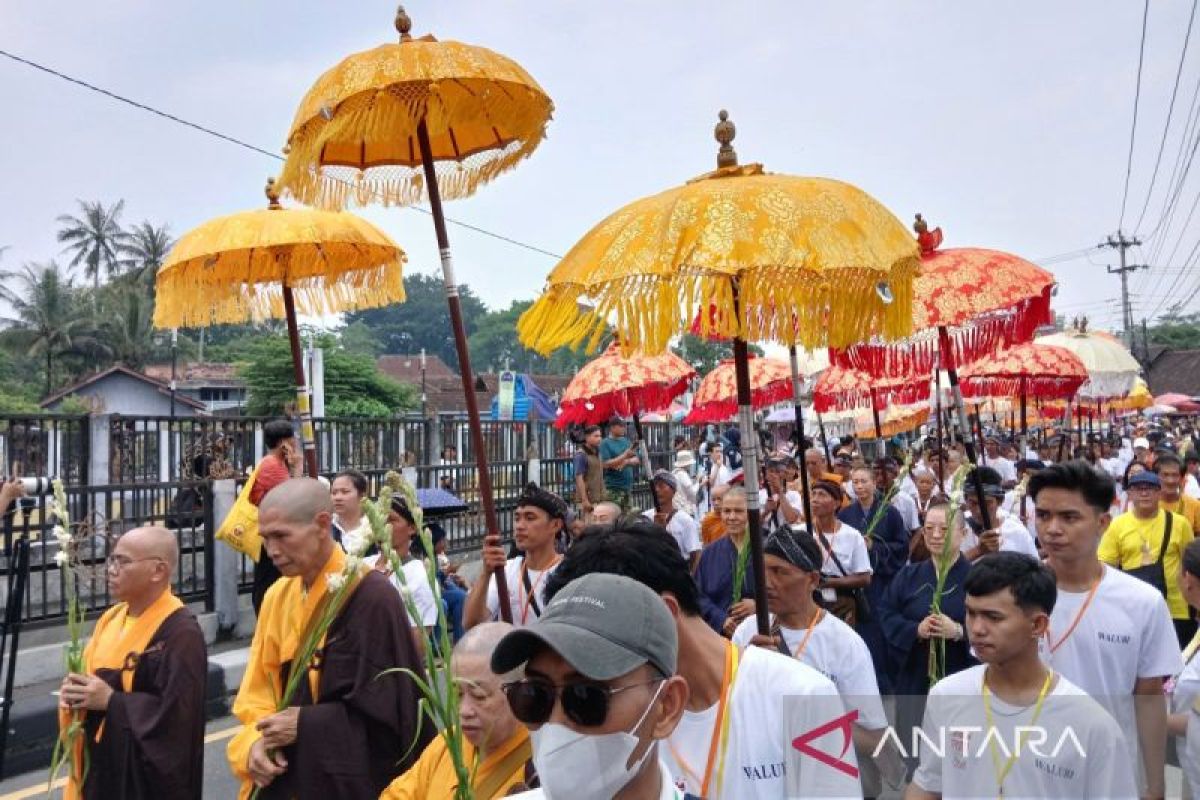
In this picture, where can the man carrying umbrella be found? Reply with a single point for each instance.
(618, 456)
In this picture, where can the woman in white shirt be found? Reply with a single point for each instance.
(1184, 688)
(347, 491)
(846, 567)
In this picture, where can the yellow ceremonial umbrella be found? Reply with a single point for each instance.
(278, 262)
(803, 261)
(414, 119)
(1137, 399)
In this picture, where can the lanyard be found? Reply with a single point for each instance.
(531, 591)
(1002, 771)
(720, 734)
(1053, 645)
(812, 626)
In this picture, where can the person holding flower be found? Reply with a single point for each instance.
(143, 726)
(414, 579)
(723, 574)
(343, 726)
(494, 737)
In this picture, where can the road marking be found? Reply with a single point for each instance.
(40, 787)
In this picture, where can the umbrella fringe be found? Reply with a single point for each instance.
(835, 308)
(193, 294)
(393, 114)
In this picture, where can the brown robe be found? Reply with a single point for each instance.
(153, 742)
(366, 730)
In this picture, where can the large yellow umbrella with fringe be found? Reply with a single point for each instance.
(419, 118)
(277, 262)
(808, 262)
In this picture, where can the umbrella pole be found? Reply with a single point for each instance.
(807, 505)
(1024, 420)
(821, 428)
(486, 498)
(941, 433)
(875, 415)
(644, 457)
(303, 409)
(956, 393)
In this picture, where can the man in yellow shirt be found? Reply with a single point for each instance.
(488, 725)
(1136, 539)
(1169, 468)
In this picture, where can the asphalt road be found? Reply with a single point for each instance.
(218, 782)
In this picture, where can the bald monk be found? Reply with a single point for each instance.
(143, 691)
(493, 735)
(349, 730)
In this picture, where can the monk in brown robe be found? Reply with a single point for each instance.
(143, 694)
(350, 729)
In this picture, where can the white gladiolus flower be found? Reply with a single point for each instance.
(355, 542)
(353, 563)
(60, 558)
(61, 536)
(334, 581)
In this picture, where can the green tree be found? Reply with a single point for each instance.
(705, 354)
(358, 338)
(94, 239)
(494, 346)
(144, 251)
(46, 320)
(124, 331)
(352, 382)
(422, 320)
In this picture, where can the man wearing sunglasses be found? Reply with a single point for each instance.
(143, 724)
(600, 691)
(744, 708)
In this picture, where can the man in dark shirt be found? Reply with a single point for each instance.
(281, 463)
(589, 471)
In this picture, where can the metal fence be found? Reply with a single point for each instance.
(99, 514)
(33, 445)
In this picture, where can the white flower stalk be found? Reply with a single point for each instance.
(334, 581)
(67, 559)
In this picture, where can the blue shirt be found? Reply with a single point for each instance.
(621, 479)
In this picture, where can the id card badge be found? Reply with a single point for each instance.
(829, 595)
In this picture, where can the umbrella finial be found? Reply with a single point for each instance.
(272, 195)
(927, 240)
(724, 133)
(403, 24)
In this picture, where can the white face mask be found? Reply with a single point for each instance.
(563, 757)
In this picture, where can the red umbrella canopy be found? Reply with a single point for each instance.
(1172, 399)
(982, 299)
(716, 397)
(841, 389)
(613, 385)
(1036, 370)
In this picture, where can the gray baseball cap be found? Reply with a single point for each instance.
(604, 625)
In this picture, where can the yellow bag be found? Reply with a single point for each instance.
(240, 528)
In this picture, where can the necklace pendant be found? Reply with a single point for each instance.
(1147, 558)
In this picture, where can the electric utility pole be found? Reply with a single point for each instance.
(1121, 244)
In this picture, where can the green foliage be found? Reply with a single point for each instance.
(422, 321)
(1177, 331)
(47, 318)
(94, 239)
(74, 404)
(358, 337)
(351, 381)
(494, 346)
(11, 403)
(704, 355)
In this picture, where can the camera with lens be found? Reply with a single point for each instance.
(36, 486)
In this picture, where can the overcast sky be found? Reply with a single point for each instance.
(1007, 124)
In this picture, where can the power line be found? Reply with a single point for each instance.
(1170, 111)
(1137, 96)
(240, 143)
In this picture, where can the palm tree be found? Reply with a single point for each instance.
(94, 239)
(125, 331)
(145, 250)
(45, 317)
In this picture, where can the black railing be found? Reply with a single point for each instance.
(35, 445)
(99, 514)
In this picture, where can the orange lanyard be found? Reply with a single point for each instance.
(812, 626)
(532, 589)
(720, 738)
(1078, 616)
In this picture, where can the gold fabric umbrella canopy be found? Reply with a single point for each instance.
(354, 138)
(278, 262)
(234, 268)
(811, 262)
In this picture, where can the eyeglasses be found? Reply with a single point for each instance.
(585, 704)
(115, 563)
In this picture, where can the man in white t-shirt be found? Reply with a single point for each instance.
(1006, 532)
(1110, 634)
(992, 457)
(803, 630)
(780, 505)
(537, 521)
(887, 471)
(678, 523)
(1068, 746)
(741, 701)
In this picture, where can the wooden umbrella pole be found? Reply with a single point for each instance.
(956, 393)
(303, 406)
(824, 440)
(795, 362)
(941, 433)
(1024, 419)
(875, 415)
(486, 498)
(643, 455)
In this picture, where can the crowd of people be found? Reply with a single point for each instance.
(1055, 586)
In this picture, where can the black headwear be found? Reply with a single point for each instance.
(400, 506)
(797, 547)
(552, 504)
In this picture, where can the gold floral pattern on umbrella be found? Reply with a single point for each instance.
(615, 385)
(715, 399)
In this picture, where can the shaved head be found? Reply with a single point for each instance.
(299, 499)
(480, 641)
(153, 541)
